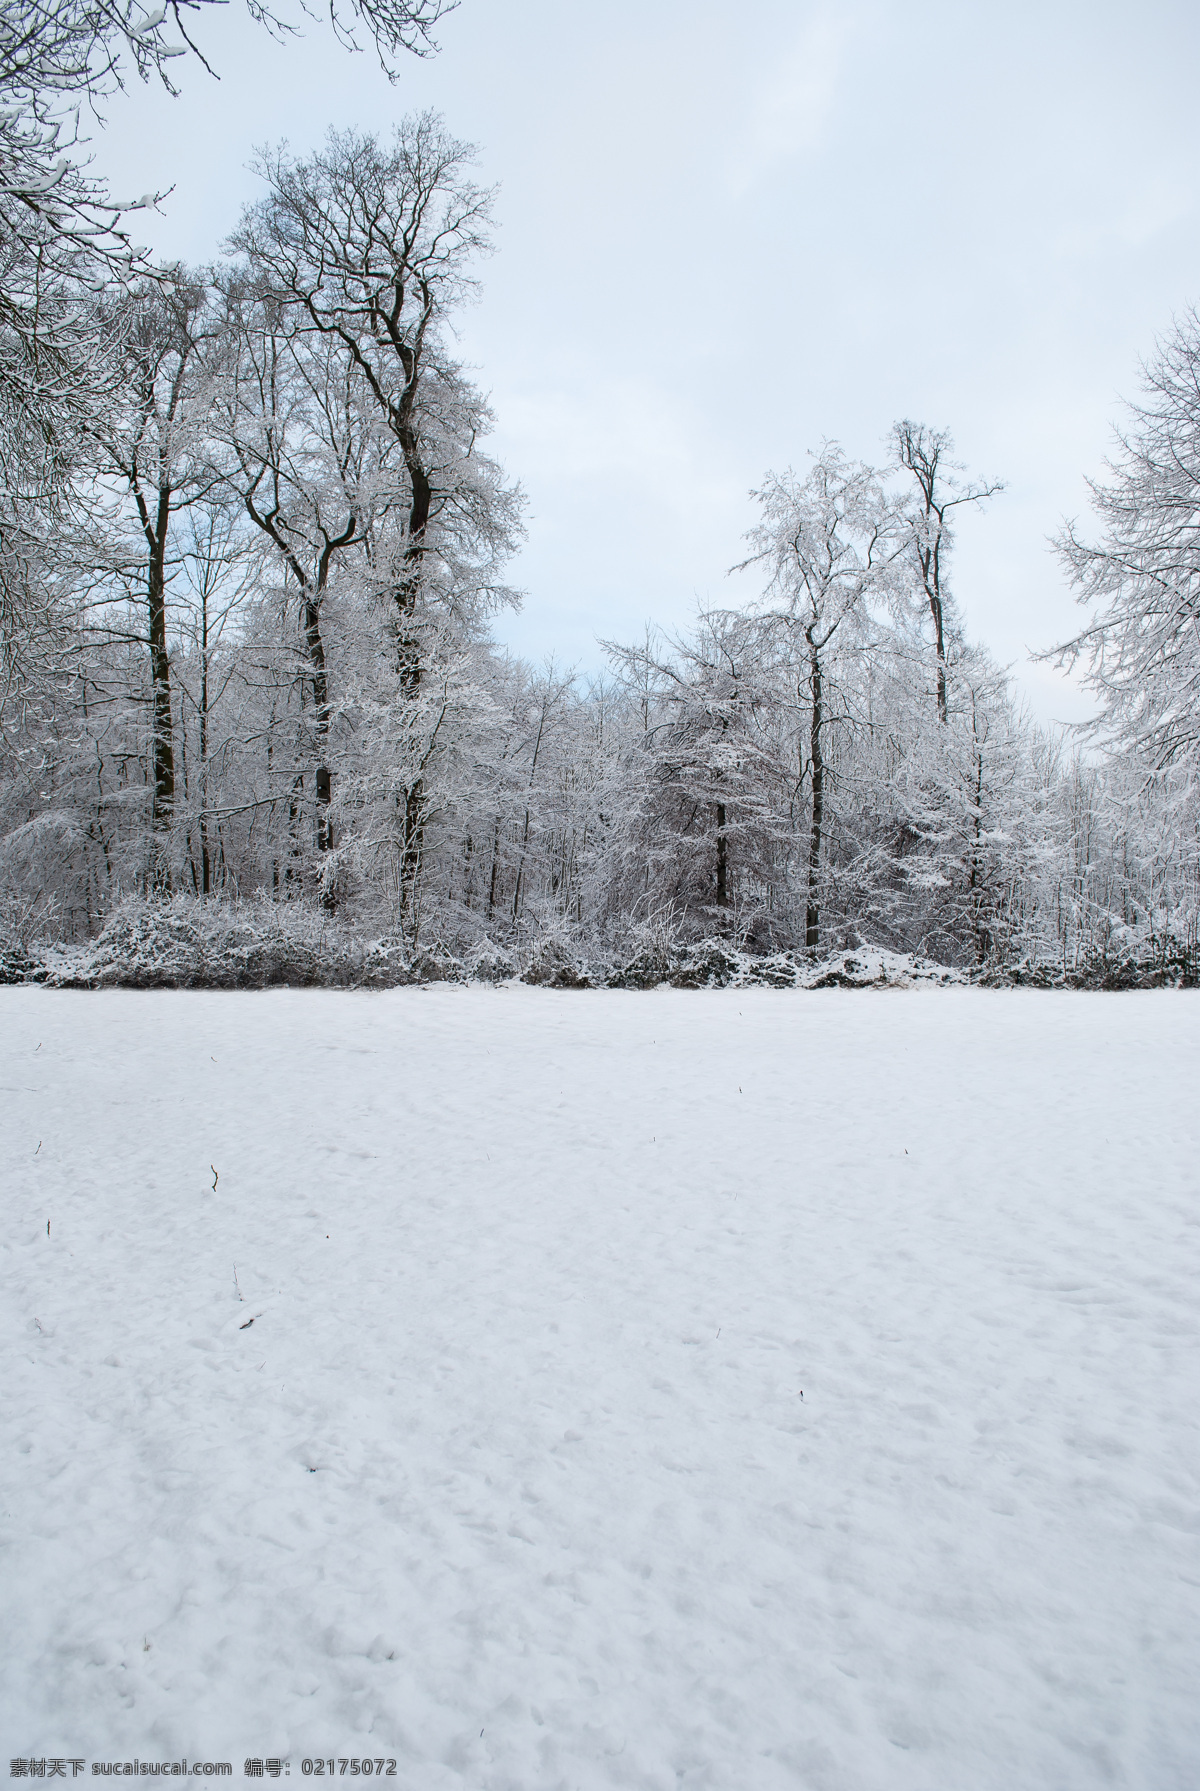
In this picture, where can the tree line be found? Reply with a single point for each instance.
(252, 546)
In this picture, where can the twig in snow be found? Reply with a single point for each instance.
(216, 1177)
(39, 1147)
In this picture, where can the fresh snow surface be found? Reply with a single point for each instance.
(510, 1478)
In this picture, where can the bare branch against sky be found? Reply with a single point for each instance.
(718, 249)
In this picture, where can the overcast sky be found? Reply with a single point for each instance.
(729, 232)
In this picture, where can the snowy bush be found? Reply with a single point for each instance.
(187, 944)
(487, 962)
(17, 966)
(1163, 964)
(645, 970)
(780, 970)
(552, 965)
(709, 964)
(436, 964)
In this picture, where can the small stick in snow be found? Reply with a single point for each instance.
(216, 1177)
(39, 1147)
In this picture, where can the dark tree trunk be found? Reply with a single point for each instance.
(495, 869)
(935, 610)
(982, 935)
(311, 594)
(205, 846)
(320, 689)
(163, 805)
(410, 673)
(812, 918)
(402, 419)
(722, 859)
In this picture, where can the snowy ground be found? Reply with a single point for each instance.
(511, 1480)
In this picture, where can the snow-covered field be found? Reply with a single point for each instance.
(739, 1389)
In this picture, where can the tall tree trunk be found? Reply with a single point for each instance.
(495, 869)
(410, 671)
(320, 688)
(408, 592)
(812, 917)
(722, 859)
(982, 936)
(935, 610)
(413, 836)
(163, 804)
(537, 747)
(205, 846)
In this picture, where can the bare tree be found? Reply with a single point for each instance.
(1141, 652)
(301, 457)
(218, 576)
(830, 544)
(927, 455)
(153, 447)
(61, 234)
(64, 240)
(368, 246)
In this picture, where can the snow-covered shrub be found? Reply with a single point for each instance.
(488, 962)
(552, 965)
(17, 966)
(22, 924)
(436, 963)
(189, 944)
(778, 971)
(709, 964)
(645, 970)
(1163, 964)
(872, 967)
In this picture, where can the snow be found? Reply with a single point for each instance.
(510, 1478)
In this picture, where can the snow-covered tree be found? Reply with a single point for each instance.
(830, 544)
(66, 244)
(1141, 648)
(365, 249)
(927, 455)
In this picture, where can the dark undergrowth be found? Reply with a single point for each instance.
(188, 944)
